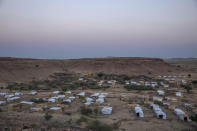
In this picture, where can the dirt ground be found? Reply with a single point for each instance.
(15, 116)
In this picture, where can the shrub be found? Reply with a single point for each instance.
(194, 82)
(105, 87)
(61, 93)
(189, 75)
(194, 118)
(158, 103)
(47, 116)
(39, 100)
(187, 87)
(96, 111)
(86, 111)
(65, 102)
(98, 126)
(100, 75)
(136, 87)
(65, 88)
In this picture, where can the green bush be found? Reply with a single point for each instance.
(187, 87)
(21, 87)
(86, 111)
(194, 82)
(100, 75)
(65, 102)
(96, 111)
(158, 103)
(98, 126)
(194, 118)
(137, 87)
(189, 75)
(39, 100)
(105, 87)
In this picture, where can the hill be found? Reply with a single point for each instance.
(24, 70)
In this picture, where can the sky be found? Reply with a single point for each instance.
(63, 29)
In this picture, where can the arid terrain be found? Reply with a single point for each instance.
(71, 94)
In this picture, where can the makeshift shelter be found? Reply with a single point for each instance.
(72, 97)
(26, 102)
(36, 109)
(33, 93)
(56, 92)
(67, 101)
(181, 114)
(81, 94)
(159, 113)
(51, 100)
(160, 92)
(13, 98)
(100, 100)
(2, 102)
(95, 95)
(3, 93)
(178, 94)
(88, 101)
(139, 112)
(18, 93)
(68, 92)
(155, 98)
(106, 110)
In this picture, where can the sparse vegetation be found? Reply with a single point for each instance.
(194, 118)
(158, 103)
(194, 82)
(98, 126)
(189, 75)
(39, 100)
(21, 86)
(187, 87)
(137, 87)
(86, 111)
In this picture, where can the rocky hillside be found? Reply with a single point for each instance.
(23, 70)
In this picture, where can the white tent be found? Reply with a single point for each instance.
(159, 113)
(100, 100)
(67, 100)
(81, 94)
(178, 94)
(13, 98)
(138, 110)
(51, 100)
(26, 102)
(181, 115)
(56, 92)
(106, 110)
(160, 92)
(88, 101)
(55, 108)
(2, 102)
